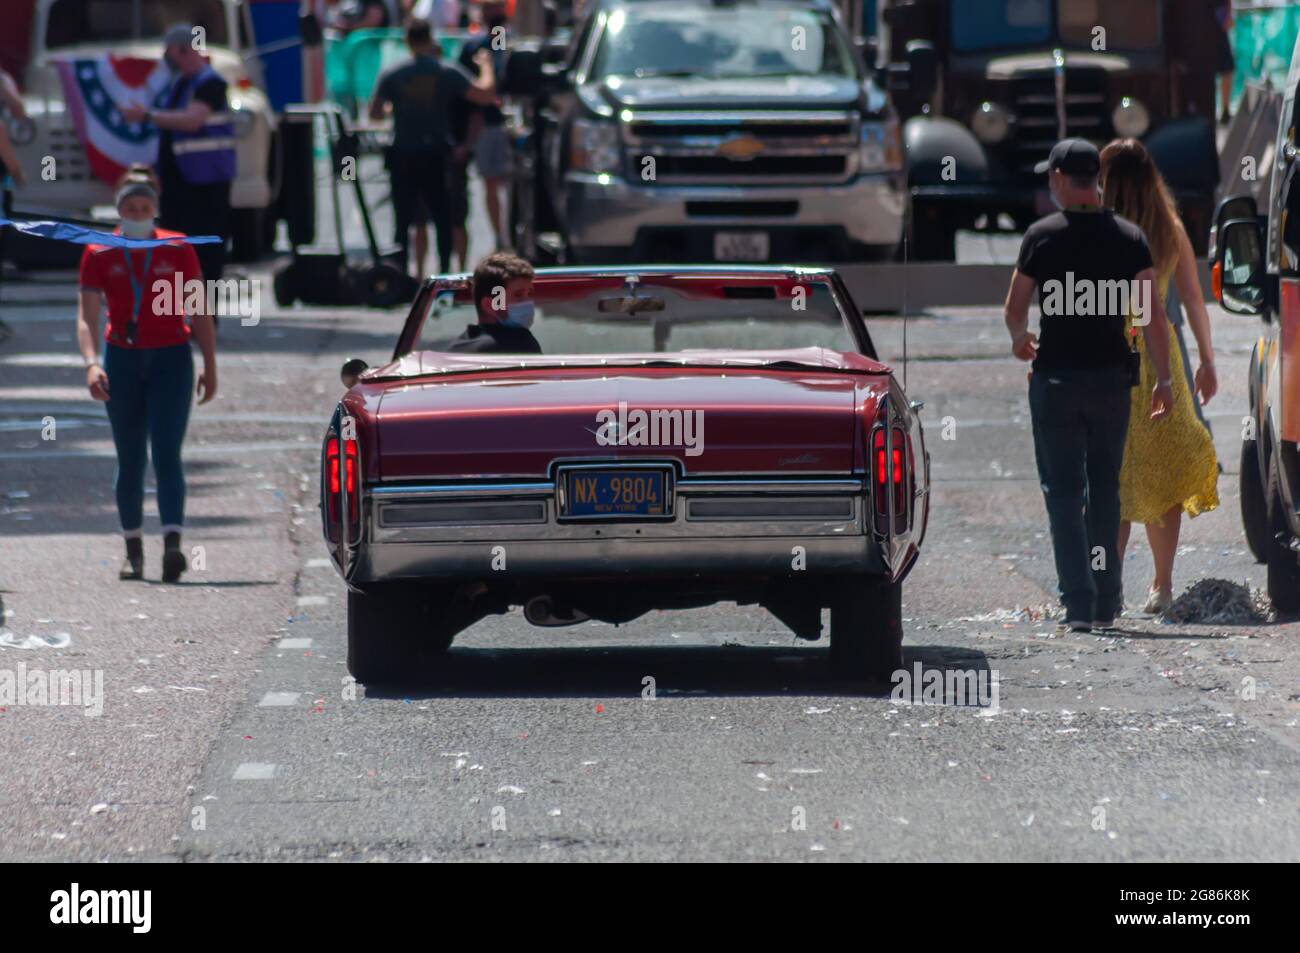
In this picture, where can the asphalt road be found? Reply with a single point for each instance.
(230, 730)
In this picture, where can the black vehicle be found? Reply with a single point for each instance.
(1257, 271)
(995, 83)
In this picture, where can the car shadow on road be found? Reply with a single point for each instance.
(670, 672)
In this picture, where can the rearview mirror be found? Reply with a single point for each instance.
(630, 304)
(1239, 267)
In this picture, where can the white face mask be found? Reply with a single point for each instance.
(137, 227)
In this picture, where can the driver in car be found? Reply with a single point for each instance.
(503, 299)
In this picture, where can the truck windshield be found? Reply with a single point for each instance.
(678, 40)
(995, 24)
(1128, 25)
(72, 22)
(1017, 24)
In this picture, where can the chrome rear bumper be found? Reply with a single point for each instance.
(754, 527)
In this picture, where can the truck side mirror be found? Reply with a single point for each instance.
(1239, 267)
(922, 70)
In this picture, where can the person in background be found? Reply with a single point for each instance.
(146, 374)
(503, 302)
(458, 201)
(1079, 388)
(420, 93)
(353, 15)
(1227, 65)
(486, 130)
(1169, 466)
(441, 14)
(11, 172)
(196, 148)
(10, 97)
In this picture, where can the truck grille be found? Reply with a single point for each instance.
(69, 154)
(1034, 105)
(769, 147)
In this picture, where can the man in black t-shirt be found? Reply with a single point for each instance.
(420, 93)
(1093, 270)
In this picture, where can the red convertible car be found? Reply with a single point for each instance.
(687, 435)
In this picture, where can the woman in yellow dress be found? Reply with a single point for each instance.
(1169, 465)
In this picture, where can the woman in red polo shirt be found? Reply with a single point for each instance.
(147, 371)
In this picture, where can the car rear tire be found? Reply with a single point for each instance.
(1283, 562)
(1254, 504)
(394, 632)
(867, 631)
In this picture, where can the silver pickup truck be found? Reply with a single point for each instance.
(709, 130)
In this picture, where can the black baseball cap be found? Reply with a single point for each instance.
(1073, 157)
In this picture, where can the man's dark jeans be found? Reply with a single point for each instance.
(1080, 424)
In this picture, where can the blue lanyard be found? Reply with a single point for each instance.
(137, 291)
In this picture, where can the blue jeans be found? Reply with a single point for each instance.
(1080, 423)
(149, 391)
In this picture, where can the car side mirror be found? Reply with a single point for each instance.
(1232, 208)
(1239, 275)
(351, 371)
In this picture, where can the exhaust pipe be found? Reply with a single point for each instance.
(541, 610)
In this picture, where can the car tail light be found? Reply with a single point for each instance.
(340, 483)
(892, 475)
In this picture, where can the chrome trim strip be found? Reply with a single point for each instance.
(688, 118)
(732, 487)
(529, 488)
(685, 485)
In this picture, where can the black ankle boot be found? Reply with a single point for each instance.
(173, 561)
(133, 565)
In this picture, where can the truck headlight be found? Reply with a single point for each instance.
(1130, 118)
(880, 148)
(593, 146)
(991, 123)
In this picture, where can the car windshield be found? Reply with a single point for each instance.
(72, 22)
(657, 313)
(680, 40)
(1015, 24)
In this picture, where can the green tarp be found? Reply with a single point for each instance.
(1262, 41)
(353, 63)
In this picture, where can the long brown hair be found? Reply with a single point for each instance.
(1135, 189)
